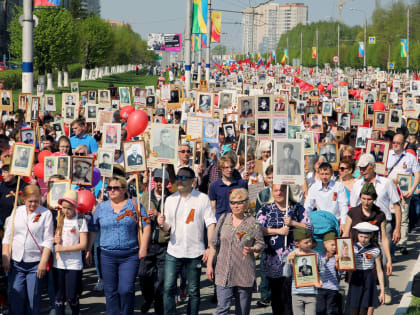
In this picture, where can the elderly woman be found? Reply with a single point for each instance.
(82, 150)
(277, 222)
(239, 237)
(27, 245)
(118, 221)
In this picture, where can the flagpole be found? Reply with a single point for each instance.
(187, 52)
(208, 52)
(301, 48)
(317, 53)
(200, 46)
(408, 43)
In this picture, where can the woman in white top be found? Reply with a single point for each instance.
(70, 239)
(27, 245)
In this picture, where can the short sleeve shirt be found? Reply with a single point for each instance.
(356, 215)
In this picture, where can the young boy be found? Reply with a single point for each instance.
(303, 298)
(328, 300)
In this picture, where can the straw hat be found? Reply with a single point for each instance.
(69, 196)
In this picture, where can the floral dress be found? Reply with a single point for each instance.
(274, 255)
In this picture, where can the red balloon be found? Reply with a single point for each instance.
(216, 100)
(379, 106)
(342, 83)
(43, 154)
(137, 122)
(86, 200)
(330, 86)
(183, 78)
(126, 111)
(311, 70)
(59, 154)
(321, 88)
(39, 170)
(353, 92)
(66, 130)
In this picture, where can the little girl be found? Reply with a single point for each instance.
(363, 293)
(71, 239)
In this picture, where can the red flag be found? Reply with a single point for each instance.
(268, 62)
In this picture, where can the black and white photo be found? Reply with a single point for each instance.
(22, 159)
(164, 143)
(289, 161)
(82, 170)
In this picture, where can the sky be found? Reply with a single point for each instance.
(168, 16)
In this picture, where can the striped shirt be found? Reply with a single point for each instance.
(365, 256)
(330, 277)
(232, 268)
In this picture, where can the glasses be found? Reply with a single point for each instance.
(363, 168)
(184, 151)
(182, 178)
(343, 168)
(240, 202)
(116, 188)
(79, 153)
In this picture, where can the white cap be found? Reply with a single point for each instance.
(366, 227)
(366, 159)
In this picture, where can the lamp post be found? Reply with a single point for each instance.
(365, 47)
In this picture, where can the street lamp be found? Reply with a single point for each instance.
(365, 47)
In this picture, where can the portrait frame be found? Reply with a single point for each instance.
(103, 167)
(377, 125)
(346, 127)
(293, 129)
(66, 174)
(384, 147)
(221, 104)
(408, 178)
(300, 279)
(346, 260)
(281, 104)
(282, 121)
(82, 159)
(25, 132)
(201, 108)
(307, 149)
(70, 99)
(391, 121)
(282, 174)
(74, 87)
(251, 144)
(320, 127)
(69, 113)
(92, 96)
(258, 104)
(361, 144)
(24, 101)
(50, 103)
(111, 141)
(248, 113)
(357, 108)
(6, 100)
(170, 155)
(229, 138)
(104, 98)
(322, 146)
(91, 113)
(17, 167)
(413, 126)
(104, 117)
(263, 127)
(52, 201)
(125, 95)
(211, 135)
(58, 126)
(130, 162)
(327, 110)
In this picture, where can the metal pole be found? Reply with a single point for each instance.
(208, 51)
(301, 48)
(27, 48)
(317, 53)
(408, 42)
(200, 47)
(338, 45)
(187, 51)
(364, 55)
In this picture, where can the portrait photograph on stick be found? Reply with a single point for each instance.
(22, 159)
(345, 252)
(56, 190)
(105, 161)
(289, 161)
(246, 108)
(82, 170)
(164, 143)
(379, 149)
(134, 156)
(111, 136)
(305, 270)
(329, 150)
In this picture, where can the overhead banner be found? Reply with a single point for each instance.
(403, 48)
(216, 26)
(203, 40)
(46, 3)
(199, 17)
(172, 42)
(361, 49)
(156, 41)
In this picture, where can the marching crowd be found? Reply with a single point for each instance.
(346, 222)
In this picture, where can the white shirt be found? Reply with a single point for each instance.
(24, 248)
(386, 191)
(70, 237)
(332, 199)
(187, 239)
(407, 165)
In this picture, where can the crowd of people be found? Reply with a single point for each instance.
(294, 214)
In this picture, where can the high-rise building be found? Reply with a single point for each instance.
(91, 6)
(262, 26)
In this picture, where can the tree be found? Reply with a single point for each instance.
(76, 9)
(219, 50)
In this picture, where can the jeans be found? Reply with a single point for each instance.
(264, 287)
(242, 300)
(414, 213)
(24, 288)
(66, 284)
(119, 272)
(173, 267)
(281, 301)
(328, 302)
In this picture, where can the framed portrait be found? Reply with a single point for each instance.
(174, 98)
(74, 87)
(164, 143)
(50, 167)
(363, 133)
(413, 126)
(308, 142)
(91, 113)
(345, 252)
(225, 100)
(263, 128)
(246, 108)
(409, 104)
(379, 149)
(279, 126)
(115, 105)
(112, 92)
(70, 99)
(369, 97)
(343, 121)
(289, 165)
(357, 112)
(82, 170)
(6, 103)
(49, 103)
(63, 166)
(264, 104)
(334, 92)
(327, 109)
(104, 98)
(394, 118)
(305, 270)
(316, 123)
(56, 191)
(251, 145)
(91, 97)
(384, 97)
(300, 107)
(314, 94)
(204, 103)
(104, 117)
(380, 120)
(292, 131)
(368, 111)
(194, 128)
(27, 136)
(134, 156)
(22, 159)
(294, 92)
(150, 101)
(280, 105)
(111, 136)
(24, 101)
(84, 99)
(58, 126)
(305, 96)
(404, 182)
(210, 130)
(150, 89)
(35, 106)
(229, 132)
(105, 161)
(329, 150)
(69, 113)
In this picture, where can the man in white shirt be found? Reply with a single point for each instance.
(402, 162)
(328, 195)
(187, 213)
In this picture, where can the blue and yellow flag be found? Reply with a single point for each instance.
(199, 17)
(403, 48)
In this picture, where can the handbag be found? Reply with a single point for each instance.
(219, 231)
(50, 259)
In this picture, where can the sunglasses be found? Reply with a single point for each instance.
(79, 153)
(182, 178)
(113, 188)
(343, 168)
(240, 202)
(184, 151)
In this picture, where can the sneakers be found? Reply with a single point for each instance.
(182, 295)
(145, 307)
(404, 250)
(263, 303)
(99, 287)
(387, 297)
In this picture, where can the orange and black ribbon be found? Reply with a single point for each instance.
(131, 215)
(36, 219)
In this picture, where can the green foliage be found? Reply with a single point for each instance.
(219, 50)
(76, 10)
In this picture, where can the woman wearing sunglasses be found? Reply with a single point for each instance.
(346, 170)
(239, 238)
(118, 221)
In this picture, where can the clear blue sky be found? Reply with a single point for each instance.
(168, 16)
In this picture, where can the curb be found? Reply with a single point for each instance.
(406, 298)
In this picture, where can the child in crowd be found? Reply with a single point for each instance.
(71, 239)
(363, 293)
(303, 298)
(328, 301)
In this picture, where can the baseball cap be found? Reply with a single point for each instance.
(365, 160)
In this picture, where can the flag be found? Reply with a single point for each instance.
(47, 3)
(313, 52)
(273, 54)
(203, 40)
(197, 44)
(361, 49)
(259, 60)
(404, 48)
(199, 17)
(285, 57)
(268, 62)
(216, 26)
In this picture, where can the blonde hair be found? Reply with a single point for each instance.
(82, 147)
(238, 193)
(30, 191)
(123, 182)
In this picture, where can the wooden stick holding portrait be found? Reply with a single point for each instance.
(139, 213)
